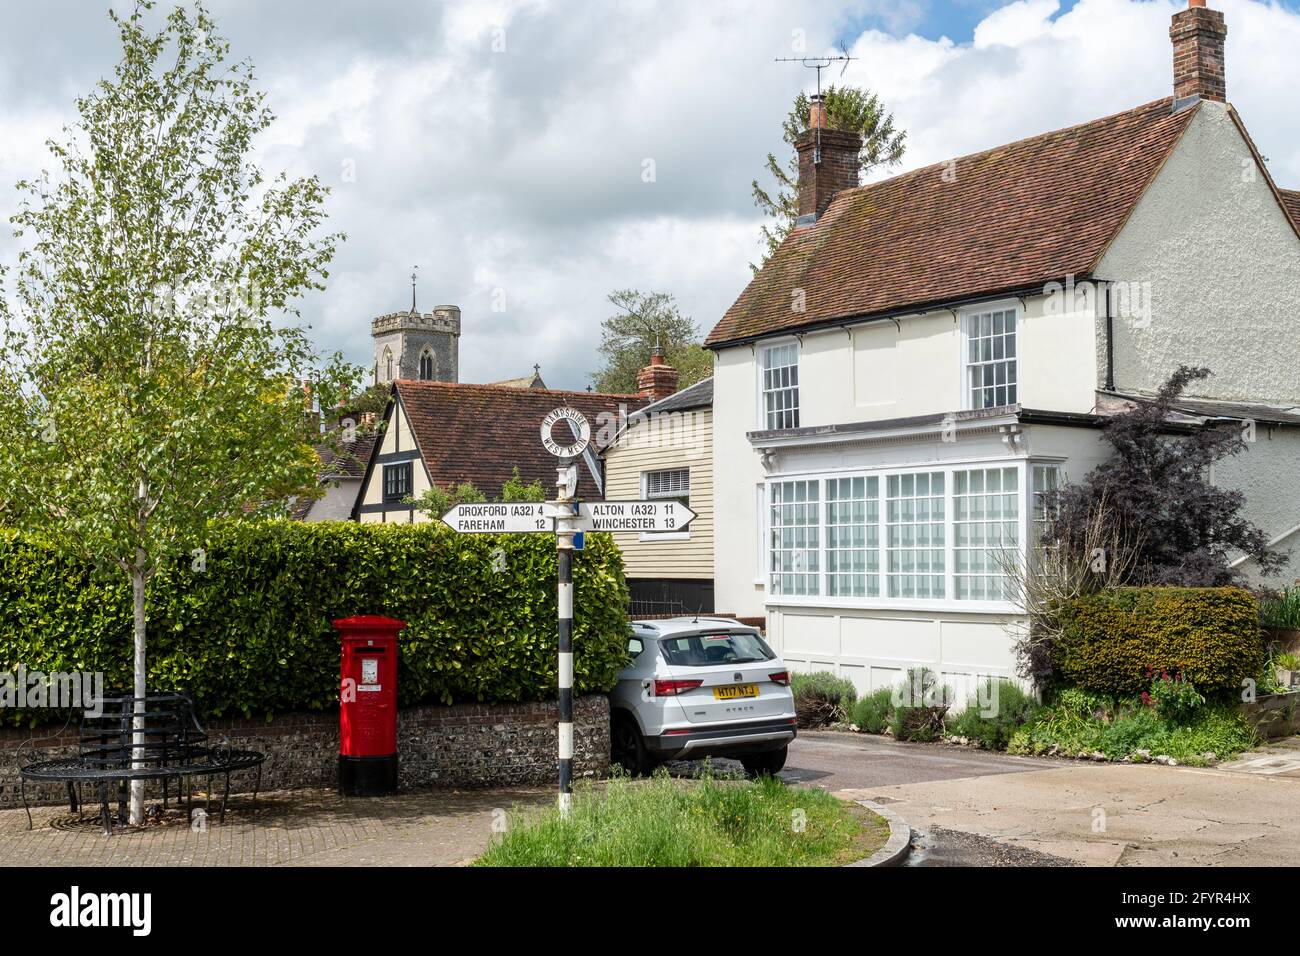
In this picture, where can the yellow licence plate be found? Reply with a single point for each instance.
(735, 691)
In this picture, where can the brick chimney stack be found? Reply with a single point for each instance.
(657, 381)
(828, 162)
(1198, 36)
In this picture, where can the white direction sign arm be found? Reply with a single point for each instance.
(649, 516)
(503, 517)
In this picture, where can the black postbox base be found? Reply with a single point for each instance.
(367, 776)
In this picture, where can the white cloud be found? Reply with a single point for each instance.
(1029, 71)
(520, 169)
(1015, 24)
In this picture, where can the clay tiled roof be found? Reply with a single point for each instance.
(349, 460)
(301, 508)
(479, 433)
(1291, 198)
(1007, 219)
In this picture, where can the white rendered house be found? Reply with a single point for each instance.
(924, 356)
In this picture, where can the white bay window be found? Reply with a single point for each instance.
(853, 537)
(907, 538)
(1046, 482)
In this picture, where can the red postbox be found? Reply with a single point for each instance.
(368, 706)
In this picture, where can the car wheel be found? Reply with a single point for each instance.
(769, 763)
(627, 749)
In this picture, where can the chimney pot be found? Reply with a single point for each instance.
(817, 111)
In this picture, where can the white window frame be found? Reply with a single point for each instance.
(647, 496)
(964, 364)
(768, 503)
(879, 524)
(946, 525)
(1057, 464)
(884, 602)
(761, 393)
(985, 523)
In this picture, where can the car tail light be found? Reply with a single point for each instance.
(780, 677)
(669, 688)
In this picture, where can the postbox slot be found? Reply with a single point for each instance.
(367, 649)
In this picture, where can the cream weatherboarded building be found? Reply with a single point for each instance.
(923, 357)
(666, 452)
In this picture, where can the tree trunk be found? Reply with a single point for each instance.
(137, 738)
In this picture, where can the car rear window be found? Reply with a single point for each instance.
(707, 650)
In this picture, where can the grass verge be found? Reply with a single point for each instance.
(700, 822)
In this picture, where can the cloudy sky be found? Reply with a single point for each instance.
(502, 145)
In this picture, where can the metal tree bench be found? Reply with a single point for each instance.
(176, 748)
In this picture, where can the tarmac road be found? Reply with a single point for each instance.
(973, 808)
(865, 762)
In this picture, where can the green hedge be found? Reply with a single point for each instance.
(1110, 639)
(252, 633)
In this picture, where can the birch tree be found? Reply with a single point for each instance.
(151, 371)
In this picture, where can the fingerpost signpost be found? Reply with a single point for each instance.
(569, 519)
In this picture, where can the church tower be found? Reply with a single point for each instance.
(424, 346)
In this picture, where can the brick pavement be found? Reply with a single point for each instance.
(298, 828)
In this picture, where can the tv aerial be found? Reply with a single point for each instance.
(820, 63)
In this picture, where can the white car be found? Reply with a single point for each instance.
(701, 687)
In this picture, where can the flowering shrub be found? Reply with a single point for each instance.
(1174, 698)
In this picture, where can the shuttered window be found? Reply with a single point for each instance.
(672, 484)
(669, 484)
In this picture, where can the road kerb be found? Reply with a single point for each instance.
(899, 843)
